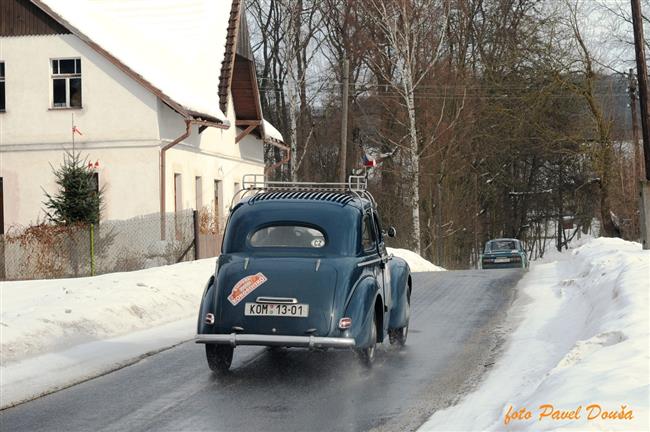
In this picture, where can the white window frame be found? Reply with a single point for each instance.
(198, 192)
(67, 76)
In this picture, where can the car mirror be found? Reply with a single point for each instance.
(392, 232)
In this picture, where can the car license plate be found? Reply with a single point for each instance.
(502, 260)
(274, 309)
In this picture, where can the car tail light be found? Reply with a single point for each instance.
(209, 318)
(345, 323)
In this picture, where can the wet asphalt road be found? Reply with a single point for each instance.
(456, 332)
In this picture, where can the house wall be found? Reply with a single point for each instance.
(123, 125)
(118, 120)
(130, 189)
(211, 155)
(115, 107)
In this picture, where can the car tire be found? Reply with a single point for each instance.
(367, 355)
(219, 357)
(398, 336)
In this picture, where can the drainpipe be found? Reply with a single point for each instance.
(163, 190)
(286, 158)
(188, 130)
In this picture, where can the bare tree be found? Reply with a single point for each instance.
(580, 77)
(411, 44)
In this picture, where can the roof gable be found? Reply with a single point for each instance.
(22, 18)
(177, 46)
(228, 64)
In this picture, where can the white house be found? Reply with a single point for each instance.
(164, 94)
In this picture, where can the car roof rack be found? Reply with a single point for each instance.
(253, 184)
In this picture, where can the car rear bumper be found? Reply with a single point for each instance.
(501, 266)
(235, 339)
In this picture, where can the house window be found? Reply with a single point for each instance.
(2, 209)
(198, 186)
(178, 190)
(2, 86)
(217, 201)
(66, 83)
(179, 221)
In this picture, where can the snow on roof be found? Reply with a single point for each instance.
(176, 45)
(271, 132)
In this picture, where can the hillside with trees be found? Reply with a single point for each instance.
(501, 118)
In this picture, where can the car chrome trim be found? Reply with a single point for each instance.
(372, 261)
(275, 340)
(282, 300)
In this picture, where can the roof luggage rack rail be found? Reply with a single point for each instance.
(253, 184)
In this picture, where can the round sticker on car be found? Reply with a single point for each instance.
(318, 243)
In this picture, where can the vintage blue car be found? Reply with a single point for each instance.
(304, 265)
(503, 253)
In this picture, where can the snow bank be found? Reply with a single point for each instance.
(582, 340)
(48, 315)
(35, 376)
(416, 262)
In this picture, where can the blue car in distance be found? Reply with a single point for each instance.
(503, 253)
(304, 265)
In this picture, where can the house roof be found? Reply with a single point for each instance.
(225, 78)
(175, 46)
(182, 50)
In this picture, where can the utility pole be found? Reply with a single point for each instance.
(642, 76)
(635, 130)
(439, 244)
(344, 121)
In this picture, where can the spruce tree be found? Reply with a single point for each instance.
(78, 199)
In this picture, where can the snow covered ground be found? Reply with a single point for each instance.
(416, 262)
(61, 331)
(54, 333)
(579, 348)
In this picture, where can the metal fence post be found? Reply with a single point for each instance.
(92, 249)
(197, 230)
(3, 269)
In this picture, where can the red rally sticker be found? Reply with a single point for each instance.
(245, 286)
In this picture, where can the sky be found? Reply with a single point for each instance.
(610, 37)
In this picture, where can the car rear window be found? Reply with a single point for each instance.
(501, 245)
(290, 236)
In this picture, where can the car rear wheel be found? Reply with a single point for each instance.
(398, 336)
(219, 357)
(367, 354)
